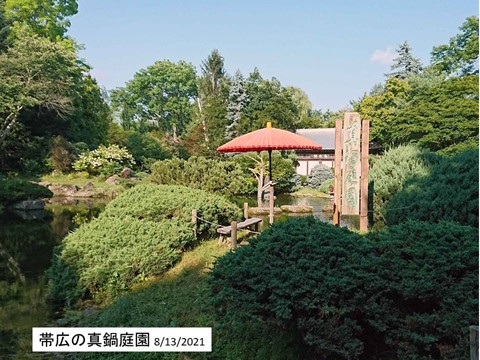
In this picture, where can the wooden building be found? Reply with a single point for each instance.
(307, 159)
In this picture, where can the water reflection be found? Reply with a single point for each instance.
(27, 239)
(318, 204)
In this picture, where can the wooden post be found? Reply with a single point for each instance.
(473, 342)
(233, 238)
(364, 177)
(271, 200)
(338, 172)
(194, 221)
(245, 210)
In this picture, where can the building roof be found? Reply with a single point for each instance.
(323, 136)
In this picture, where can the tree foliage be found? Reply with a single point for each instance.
(29, 73)
(460, 56)
(405, 64)
(157, 97)
(47, 18)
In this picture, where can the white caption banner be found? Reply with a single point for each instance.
(64, 339)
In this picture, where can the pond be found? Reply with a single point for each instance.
(27, 239)
(318, 204)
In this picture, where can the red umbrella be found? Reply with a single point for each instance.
(269, 139)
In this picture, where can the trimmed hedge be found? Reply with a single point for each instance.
(449, 192)
(409, 291)
(140, 234)
(163, 202)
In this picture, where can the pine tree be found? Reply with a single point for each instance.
(237, 99)
(405, 64)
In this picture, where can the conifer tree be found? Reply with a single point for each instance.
(237, 99)
(405, 64)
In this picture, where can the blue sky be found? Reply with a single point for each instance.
(333, 50)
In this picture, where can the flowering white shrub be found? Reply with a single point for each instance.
(104, 160)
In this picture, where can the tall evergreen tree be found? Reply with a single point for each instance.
(405, 64)
(237, 99)
(213, 71)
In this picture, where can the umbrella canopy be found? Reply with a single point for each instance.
(269, 138)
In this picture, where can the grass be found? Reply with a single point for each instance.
(307, 192)
(80, 180)
(179, 298)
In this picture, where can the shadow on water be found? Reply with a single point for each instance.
(27, 240)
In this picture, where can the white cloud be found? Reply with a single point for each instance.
(384, 57)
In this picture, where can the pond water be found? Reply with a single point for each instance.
(318, 204)
(27, 239)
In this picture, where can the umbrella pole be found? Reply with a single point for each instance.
(271, 198)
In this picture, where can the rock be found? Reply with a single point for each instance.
(126, 172)
(63, 190)
(328, 208)
(29, 205)
(45, 184)
(113, 180)
(263, 211)
(32, 214)
(297, 209)
(88, 187)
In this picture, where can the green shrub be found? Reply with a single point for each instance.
(109, 255)
(104, 161)
(163, 202)
(14, 190)
(62, 154)
(449, 192)
(326, 185)
(146, 149)
(390, 172)
(140, 234)
(221, 176)
(318, 175)
(408, 292)
(429, 275)
(302, 274)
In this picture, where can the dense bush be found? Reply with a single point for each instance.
(62, 154)
(109, 255)
(221, 176)
(319, 174)
(429, 275)
(104, 161)
(326, 186)
(390, 172)
(449, 192)
(13, 190)
(163, 202)
(140, 234)
(146, 149)
(407, 292)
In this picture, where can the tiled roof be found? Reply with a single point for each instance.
(323, 136)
